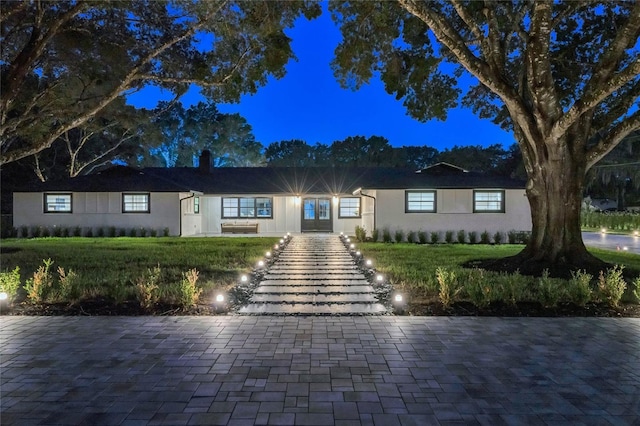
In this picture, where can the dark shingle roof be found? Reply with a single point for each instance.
(273, 180)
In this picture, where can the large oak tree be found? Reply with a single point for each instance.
(563, 75)
(63, 62)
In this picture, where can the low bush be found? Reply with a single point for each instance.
(147, 287)
(133, 232)
(636, 291)
(386, 235)
(550, 290)
(485, 238)
(361, 234)
(111, 232)
(447, 286)
(77, 231)
(435, 237)
(100, 233)
(448, 237)
(189, 292)
(411, 237)
(375, 235)
(165, 232)
(89, 233)
(398, 236)
(473, 237)
(24, 231)
(611, 286)
(478, 288)
(39, 287)
(143, 232)
(497, 237)
(462, 236)
(68, 289)
(10, 283)
(579, 288)
(422, 237)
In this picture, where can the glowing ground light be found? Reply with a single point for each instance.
(369, 262)
(348, 240)
(268, 254)
(288, 234)
(603, 231)
(220, 298)
(625, 248)
(379, 278)
(397, 298)
(261, 263)
(352, 246)
(636, 233)
(4, 296)
(244, 278)
(281, 241)
(341, 233)
(357, 253)
(276, 247)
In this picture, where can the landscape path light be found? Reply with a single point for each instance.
(352, 246)
(369, 262)
(244, 279)
(379, 278)
(261, 264)
(358, 254)
(636, 233)
(603, 230)
(267, 254)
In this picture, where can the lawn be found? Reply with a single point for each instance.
(111, 267)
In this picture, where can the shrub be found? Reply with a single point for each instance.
(514, 287)
(66, 232)
(165, 232)
(100, 233)
(422, 237)
(447, 286)
(361, 234)
(189, 293)
(45, 232)
(461, 236)
(40, 285)
(549, 292)
(512, 237)
(579, 288)
(484, 238)
(77, 231)
(122, 232)
(636, 291)
(478, 288)
(411, 237)
(34, 232)
(89, 232)
(143, 232)
(133, 232)
(448, 237)
(386, 235)
(24, 231)
(611, 286)
(10, 283)
(147, 287)
(111, 232)
(153, 232)
(68, 284)
(497, 237)
(119, 290)
(375, 235)
(435, 237)
(473, 237)
(398, 236)
(57, 231)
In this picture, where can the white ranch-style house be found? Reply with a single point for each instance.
(206, 201)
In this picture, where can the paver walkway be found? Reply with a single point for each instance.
(314, 274)
(363, 370)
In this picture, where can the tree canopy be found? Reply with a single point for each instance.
(563, 75)
(64, 62)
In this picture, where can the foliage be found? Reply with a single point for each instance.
(473, 237)
(563, 76)
(10, 283)
(447, 286)
(613, 221)
(68, 284)
(375, 235)
(398, 235)
(386, 235)
(611, 285)
(147, 287)
(361, 234)
(422, 237)
(435, 237)
(497, 237)
(461, 236)
(448, 237)
(485, 238)
(550, 290)
(636, 290)
(91, 53)
(411, 237)
(189, 292)
(579, 288)
(40, 285)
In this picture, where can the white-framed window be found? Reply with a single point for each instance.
(196, 205)
(349, 207)
(420, 201)
(488, 201)
(57, 203)
(247, 207)
(136, 203)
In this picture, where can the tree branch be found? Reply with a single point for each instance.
(613, 137)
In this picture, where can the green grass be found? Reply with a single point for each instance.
(106, 262)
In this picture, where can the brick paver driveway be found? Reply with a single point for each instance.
(378, 370)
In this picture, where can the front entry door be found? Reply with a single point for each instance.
(316, 215)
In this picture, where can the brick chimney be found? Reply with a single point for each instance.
(204, 165)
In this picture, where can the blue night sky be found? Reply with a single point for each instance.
(308, 103)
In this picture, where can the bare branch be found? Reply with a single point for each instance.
(611, 140)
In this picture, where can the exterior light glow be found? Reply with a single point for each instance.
(220, 298)
(335, 200)
(369, 262)
(625, 248)
(297, 200)
(358, 253)
(244, 278)
(267, 254)
(288, 234)
(281, 241)
(352, 246)
(341, 233)
(603, 231)
(379, 278)
(348, 240)
(636, 233)
(398, 298)
(4, 296)
(276, 247)
(260, 263)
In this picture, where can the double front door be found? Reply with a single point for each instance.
(316, 215)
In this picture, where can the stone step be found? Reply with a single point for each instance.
(314, 277)
(316, 283)
(312, 289)
(308, 309)
(314, 298)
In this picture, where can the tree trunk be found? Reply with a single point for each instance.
(555, 191)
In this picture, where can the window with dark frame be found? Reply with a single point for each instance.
(488, 201)
(136, 203)
(247, 207)
(196, 205)
(349, 207)
(420, 201)
(57, 203)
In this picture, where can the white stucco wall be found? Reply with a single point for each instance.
(454, 213)
(191, 221)
(98, 209)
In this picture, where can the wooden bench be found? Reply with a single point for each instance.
(239, 228)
